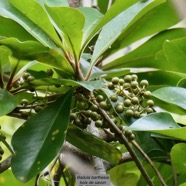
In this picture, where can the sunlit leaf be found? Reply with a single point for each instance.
(174, 95)
(9, 11)
(32, 10)
(41, 134)
(112, 30)
(178, 158)
(154, 121)
(7, 102)
(92, 145)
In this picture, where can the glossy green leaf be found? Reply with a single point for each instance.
(9, 11)
(92, 144)
(32, 10)
(145, 55)
(92, 18)
(154, 121)
(112, 30)
(175, 53)
(124, 174)
(7, 102)
(174, 95)
(163, 16)
(39, 139)
(71, 23)
(89, 85)
(33, 50)
(178, 158)
(4, 61)
(9, 28)
(117, 8)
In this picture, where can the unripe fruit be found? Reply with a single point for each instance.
(114, 98)
(134, 77)
(98, 123)
(144, 83)
(147, 94)
(110, 86)
(134, 84)
(88, 113)
(115, 80)
(128, 78)
(94, 116)
(129, 113)
(128, 132)
(80, 97)
(26, 75)
(150, 103)
(149, 110)
(73, 116)
(119, 108)
(30, 78)
(136, 114)
(121, 81)
(135, 100)
(99, 98)
(131, 137)
(127, 102)
(126, 85)
(94, 107)
(1, 151)
(38, 108)
(104, 105)
(24, 102)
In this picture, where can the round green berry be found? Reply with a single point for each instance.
(147, 94)
(119, 108)
(134, 84)
(144, 83)
(114, 98)
(115, 80)
(135, 100)
(99, 98)
(110, 86)
(128, 78)
(127, 102)
(150, 103)
(134, 77)
(98, 123)
(129, 113)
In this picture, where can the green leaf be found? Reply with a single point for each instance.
(145, 55)
(113, 29)
(163, 16)
(154, 121)
(92, 144)
(175, 53)
(89, 85)
(9, 11)
(7, 102)
(32, 10)
(9, 28)
(117, 8)
(53, 2)
(71, 22)
(174, 95)
(40, 138)
(92, 18)
(178, 158)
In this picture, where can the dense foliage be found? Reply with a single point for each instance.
(64, 82)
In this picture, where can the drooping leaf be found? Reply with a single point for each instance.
(174, 95)
(92, 145)
(154, 121)
(178, 158)
(9, 11)
(71, 22)
(113, 29)
(7, 102)
(40, 138)
(32, 10)
(145, 55)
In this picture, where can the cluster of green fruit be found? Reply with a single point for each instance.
(131, 97)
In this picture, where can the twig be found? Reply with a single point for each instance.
(126, 143)
(4, 165)
(149, 161)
